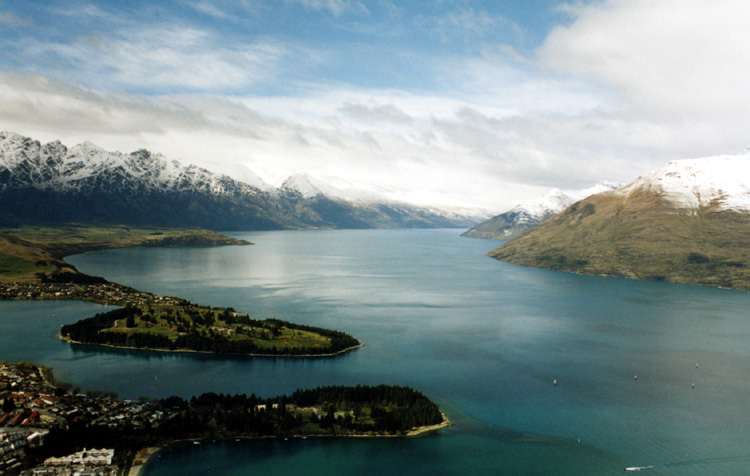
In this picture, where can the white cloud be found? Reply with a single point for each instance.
(674, 58)
(471, 26)
(159, 57)
(376, 113)
(337, 7)
(209, 8)
(610, 98)
(11, 19)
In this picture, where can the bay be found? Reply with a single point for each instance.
(483, 338)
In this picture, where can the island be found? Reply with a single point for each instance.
(51, 427)
(32, 267)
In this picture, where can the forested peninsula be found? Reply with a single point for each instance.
(71, 421)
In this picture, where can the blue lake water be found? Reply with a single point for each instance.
(484, 339)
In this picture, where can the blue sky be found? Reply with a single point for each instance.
(462, 103)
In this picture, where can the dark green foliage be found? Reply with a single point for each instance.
(73, 278)
(392, 410)
(87, 330)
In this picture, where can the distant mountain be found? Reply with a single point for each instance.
(530, 213)
(51, 183)
(687, 222)
(322, 205)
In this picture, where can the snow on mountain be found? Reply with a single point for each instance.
(557, 200)
(53, 166)
(241, 173)
(310, 187)
(528, 214)
(722, 181)
(85, 183)
(303, 185)
(685, 222)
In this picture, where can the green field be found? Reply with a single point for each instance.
(189, 327)
(173, 322)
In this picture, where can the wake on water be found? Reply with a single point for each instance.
(727, 459)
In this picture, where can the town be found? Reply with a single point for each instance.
(103, 293)
(47, 428)
(35, 410)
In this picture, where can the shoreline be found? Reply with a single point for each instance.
(144, 455)
(189, 351)
(114, 294)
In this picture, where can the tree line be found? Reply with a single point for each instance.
(200, 339)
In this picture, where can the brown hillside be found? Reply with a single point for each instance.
(639, 236)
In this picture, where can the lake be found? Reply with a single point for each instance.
(482, 338)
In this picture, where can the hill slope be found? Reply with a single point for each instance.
(687, 222)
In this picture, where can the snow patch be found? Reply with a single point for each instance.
(693, 183)
(557, 200)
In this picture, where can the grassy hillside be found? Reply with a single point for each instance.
(27, 251)
(641, 237)
(20, 261)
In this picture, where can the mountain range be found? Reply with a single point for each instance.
(528, 214)
(687, 222)
(51, 183)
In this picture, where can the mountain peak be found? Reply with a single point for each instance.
(687, 222)
(722, 181)
(529, 213)
(86, 183)
(302, 184)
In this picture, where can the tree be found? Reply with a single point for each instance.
(9, 405)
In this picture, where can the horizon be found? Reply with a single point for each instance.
(472, 104)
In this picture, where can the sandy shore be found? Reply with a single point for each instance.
(141, 458)
(426, 429)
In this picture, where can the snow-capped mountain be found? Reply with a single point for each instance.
(688, 222)
(240, 173)
(52, 183)
(528, 214)
(54, 167)
(722, 182)
(309, 187)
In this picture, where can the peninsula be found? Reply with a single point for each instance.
(32, 267)
(45, 420)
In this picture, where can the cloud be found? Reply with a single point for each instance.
(672, 58)
(11, 19)
(209, 8)
(337, 7)
(384, 113)
(159, 57)
(487, 130)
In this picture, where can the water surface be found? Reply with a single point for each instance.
(483, 338)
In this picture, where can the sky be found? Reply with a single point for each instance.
(454, 103)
